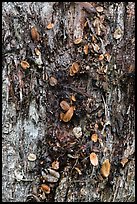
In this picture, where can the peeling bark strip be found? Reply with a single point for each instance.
(98, 94)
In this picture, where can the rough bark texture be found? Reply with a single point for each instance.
(104, 94)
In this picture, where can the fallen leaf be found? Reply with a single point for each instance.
(64, 105)
(105, 169)
(74, 69)
(101, 57)
(35, 34)
(50, 26)
(68, 115)
(73, 98)
(55, 165)
(45, 188)
(93, 159)
(78, 41)
(24, 64)
(124, 161)
(94, 137)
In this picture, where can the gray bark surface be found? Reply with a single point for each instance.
(30, 106)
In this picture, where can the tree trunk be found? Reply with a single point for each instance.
(99, 88)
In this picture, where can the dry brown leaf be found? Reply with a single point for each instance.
(24, 64)
(55, 165)
(124, 161)
(45, 188)
(101, 57)
(35, 34)
(61, 116)
(78, 41)
(64, 105)
(85, 49)
(94, 137)
(73, 98)
(68, 115)
(105, 169)
(74, 69)
(93, 159)
(50, 26)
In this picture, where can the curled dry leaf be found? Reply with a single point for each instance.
(124, 161)
(64, 105)
(35, 34)
(24, 64)
(93, 159)
(94, 137)
(50, 26)
(99, 8)
(45, 188)
(74, 69)
(105, 169)
(53, 81)
(85, 49)
(78, 41)
(73, 98)
(118, 33)
(68, 115)
(37, 52)
(101, 57)
(55, 165)
(32, 157)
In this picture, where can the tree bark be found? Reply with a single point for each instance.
(104, 93)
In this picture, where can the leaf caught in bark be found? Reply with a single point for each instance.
(105, 169)
(68, 115)
(93, 159)
(74, 69)
(24, 64)
(45, 188)
(78, 41)
(50, 26)
(64, 105)
(35, 34)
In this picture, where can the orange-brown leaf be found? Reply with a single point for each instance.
(64, 105)
(93, 159)
(45, 188)
(78, 41)
(24, 64)
(94, 137)
(35, 34)
(105, 169)
(68, 115)
(50, 26)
